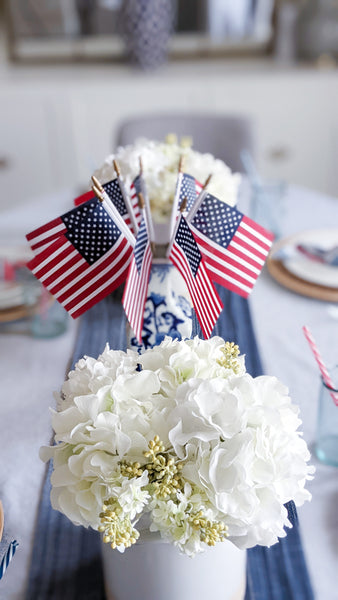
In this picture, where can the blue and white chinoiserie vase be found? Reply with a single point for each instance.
(168, 309)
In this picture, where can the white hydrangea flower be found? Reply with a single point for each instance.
(172, 519)
(206, 411)
(160, 167)
(235, 437)
(132, 498)
(177, 361)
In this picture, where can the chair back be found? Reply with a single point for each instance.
(224, 136)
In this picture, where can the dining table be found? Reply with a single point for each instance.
(32, 368)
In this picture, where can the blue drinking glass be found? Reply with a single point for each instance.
(326, 447)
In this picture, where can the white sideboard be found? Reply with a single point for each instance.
(57, 123)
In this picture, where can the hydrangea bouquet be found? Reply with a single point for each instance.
(160, 164)
(180, 440)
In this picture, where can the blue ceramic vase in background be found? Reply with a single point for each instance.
(146, 27)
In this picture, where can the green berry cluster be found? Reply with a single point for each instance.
(116, 527)
(163, 472)
(229, 360)
(211, 532)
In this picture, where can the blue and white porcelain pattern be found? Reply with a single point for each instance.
(168, 309)
(147, 27)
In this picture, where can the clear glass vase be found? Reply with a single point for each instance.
(326, 447)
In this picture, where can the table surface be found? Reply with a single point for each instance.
(31, 369)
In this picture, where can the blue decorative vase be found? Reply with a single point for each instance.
(147, 26)
(168, 309)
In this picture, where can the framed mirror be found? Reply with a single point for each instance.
(42, 30)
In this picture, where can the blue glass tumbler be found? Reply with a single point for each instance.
(267, 205)
(326, 447)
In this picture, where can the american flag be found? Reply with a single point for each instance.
(135, 291)
(83, 198)
(43, 236)
(187, 257)
(187, 187)
(234, 247)
(137, 187)
(113, 189)
(86, 262)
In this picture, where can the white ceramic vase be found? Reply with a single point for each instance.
(155, 570)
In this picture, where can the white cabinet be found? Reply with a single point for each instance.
(294, 114)
(36, 148)
(26, 166)
(57, 126)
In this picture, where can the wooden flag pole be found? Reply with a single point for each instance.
(182, 209)
(150, 224)
(113, 213)
(192, 212)
(126, 197)
(176, 198)
(97, 183)
(109, 204)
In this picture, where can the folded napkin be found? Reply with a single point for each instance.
(326, 256)
(7, 550)
(7, 545)
(310, 251)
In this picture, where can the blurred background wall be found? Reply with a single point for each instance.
(72, 70)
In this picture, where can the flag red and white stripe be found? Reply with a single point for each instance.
(43, 236)
(234, 247)
(134, 202)
(84, 198)
(136, 288)
(72, 281)
(187, 188)
(86, 263)
(185, 255)
(134, 191)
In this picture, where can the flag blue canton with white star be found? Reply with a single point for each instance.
(185, 239)
(186, 256)
(91, 230)
(217, 220)
(189, 189)
(234, 247)
(140, 246)
(113, 190)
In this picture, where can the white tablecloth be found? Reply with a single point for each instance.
(30, 369)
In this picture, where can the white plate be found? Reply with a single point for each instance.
(11, 295)
(308, 269)
(15, 253)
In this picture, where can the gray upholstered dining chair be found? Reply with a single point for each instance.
(225, 136)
